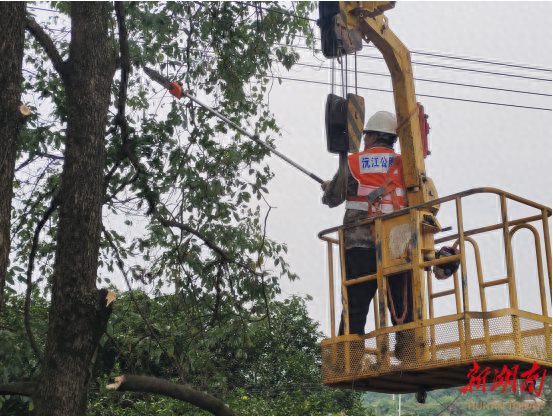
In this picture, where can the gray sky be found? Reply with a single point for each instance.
(473, 145)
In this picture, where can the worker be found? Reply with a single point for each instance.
(377, 170)
(364, 173)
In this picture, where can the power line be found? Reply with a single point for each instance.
(483, 61)
(391, 91)
(486, 87)
(279, 11)
(421, 52)
(468, 69)
(420, 95)
(415, 52)
(435, 81)
(461, 58)
(43, 9)
(434, 65)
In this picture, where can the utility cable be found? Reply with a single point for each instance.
(414, 51)
(420, 95)
(485, 87)
(434, 65)
(43, 9)
(279, 11)
(482, 61)
(413, 62)
(302, 64)
(461, 58)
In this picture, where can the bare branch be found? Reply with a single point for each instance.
(121, 119)
(183, 392)
(211, 245)
(125, 64)
(46, 42)
(18, 388)
(50, 156)
(24, 163)
(259, 258)
(121, 186)
(30, 267)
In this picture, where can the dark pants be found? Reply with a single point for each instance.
(361, 262)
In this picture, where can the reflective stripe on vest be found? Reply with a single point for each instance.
(370, 169)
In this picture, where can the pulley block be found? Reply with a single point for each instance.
(344, 120)
(337, 37)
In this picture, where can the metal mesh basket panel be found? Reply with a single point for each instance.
(356, 358)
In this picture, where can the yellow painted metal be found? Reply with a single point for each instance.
(513, 299)
(539, 265)
(441, 261)
(545, 225)
(431, 313)
(382, 342)
(443, 293)
(355, 121)
(359, 280)
(397, 58)
(331, 289)
(367, 18)
(496, 282)
(345, 313)
(345, 308)
(375, 309)
(482, 291)
(443, 347)
(508, 254)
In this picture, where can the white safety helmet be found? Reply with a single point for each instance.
(382, 121)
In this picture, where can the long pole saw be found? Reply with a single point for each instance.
(176, 90)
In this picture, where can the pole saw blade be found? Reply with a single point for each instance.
(158, 78)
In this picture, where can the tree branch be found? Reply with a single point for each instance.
(18, 388)
(125, 67)
(30, 267)
(46, 42)
(125, 64)
(183, 392)
(211, 245)
(259, 257)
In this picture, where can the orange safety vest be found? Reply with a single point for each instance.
(378, 171)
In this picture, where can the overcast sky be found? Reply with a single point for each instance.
(473, 145)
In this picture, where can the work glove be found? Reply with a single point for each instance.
(446, 270)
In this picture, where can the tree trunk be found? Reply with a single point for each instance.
(12, 22)
(78, 314)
